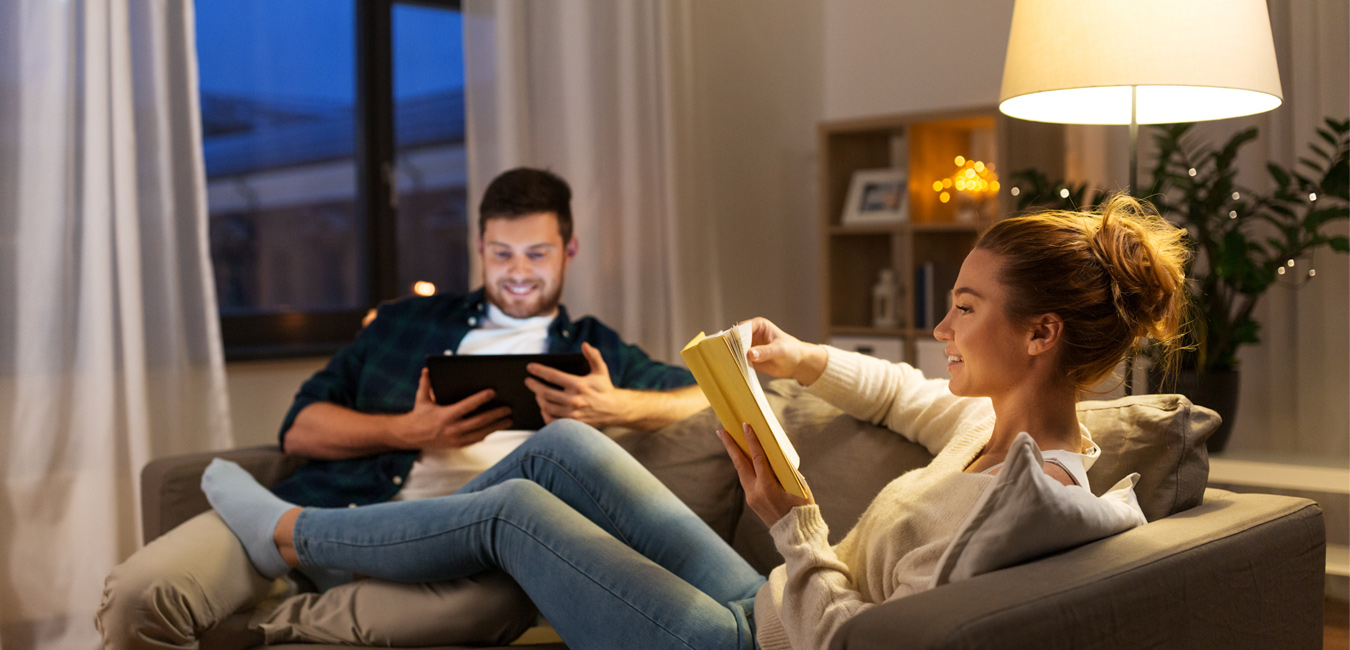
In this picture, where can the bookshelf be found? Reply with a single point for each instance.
(937, 234)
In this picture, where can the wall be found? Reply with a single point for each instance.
(902, 56)
(757, 79)
(260, 394)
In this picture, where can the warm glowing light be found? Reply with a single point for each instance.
(1290, 264)
(1236, 196)
(945, 197)
(1191, 171)
(1014, 191)
(993, 187)
(1280, 270)
(947, 182)
(370, 316)
(1312, 273)
(424, 288)
(960, 160)
(1232, 214)
(1312, 196)
(970, 173)
(937, 186)
(1064, 193)
(979, 166)
(961, 184)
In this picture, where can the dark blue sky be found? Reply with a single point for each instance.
(305, 49)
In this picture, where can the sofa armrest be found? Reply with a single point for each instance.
(1237, 571)
(171, 487)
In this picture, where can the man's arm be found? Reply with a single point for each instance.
(594, 399)
(328, 431)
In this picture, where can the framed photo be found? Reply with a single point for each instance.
(877, 196)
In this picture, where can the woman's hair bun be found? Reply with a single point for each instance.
(1145, 257)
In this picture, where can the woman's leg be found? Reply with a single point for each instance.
(595, 477)
(594, 588)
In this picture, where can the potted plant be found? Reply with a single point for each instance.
(1245, 242)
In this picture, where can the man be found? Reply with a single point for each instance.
(376, 434)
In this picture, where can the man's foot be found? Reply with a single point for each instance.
(250, 510)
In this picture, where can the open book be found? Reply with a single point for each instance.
(732, 387)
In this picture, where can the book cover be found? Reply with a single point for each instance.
(732, 387)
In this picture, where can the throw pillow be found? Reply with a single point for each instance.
(1160, 437)
(1025, 514)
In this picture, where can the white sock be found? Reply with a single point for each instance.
(250, 510)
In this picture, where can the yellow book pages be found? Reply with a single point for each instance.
(732, 387)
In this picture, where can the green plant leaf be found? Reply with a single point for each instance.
(1311, 163)
(1316, 218)
(1279, 174)
(1340, 127)
(1331, 139)
(1340, 244)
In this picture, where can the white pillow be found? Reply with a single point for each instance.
(1025, 514)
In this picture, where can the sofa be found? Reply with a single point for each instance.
(1211, 569)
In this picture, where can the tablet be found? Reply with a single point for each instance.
(454, 378)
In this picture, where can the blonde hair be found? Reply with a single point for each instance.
(1113, 274)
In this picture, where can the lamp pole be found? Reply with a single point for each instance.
(1133, 189)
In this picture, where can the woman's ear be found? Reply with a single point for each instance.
(1045, 334)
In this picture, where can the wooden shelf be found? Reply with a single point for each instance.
(926, 145)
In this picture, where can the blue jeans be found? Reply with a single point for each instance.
(609, 555)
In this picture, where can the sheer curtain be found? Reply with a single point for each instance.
(109, 343)
(599, 92)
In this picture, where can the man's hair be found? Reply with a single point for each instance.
(525, 191)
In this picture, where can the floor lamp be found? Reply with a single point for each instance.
(1139, 62)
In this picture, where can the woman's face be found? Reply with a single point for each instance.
(987, 353)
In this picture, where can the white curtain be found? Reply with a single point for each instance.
(600, 92)
(109, 343)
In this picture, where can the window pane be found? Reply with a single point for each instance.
(429, 140)
(277, 80)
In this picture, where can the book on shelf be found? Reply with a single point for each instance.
(933, 282)
(732, 387)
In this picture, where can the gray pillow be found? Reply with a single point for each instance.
(1160, 436)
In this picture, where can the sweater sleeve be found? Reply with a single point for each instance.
(898, 397)
(818, 595)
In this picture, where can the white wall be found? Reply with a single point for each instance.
(901, 56)
(260, 394)
(758, 79)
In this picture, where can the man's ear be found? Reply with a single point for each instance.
(571, 248)
(480, 246)
(1045, 334)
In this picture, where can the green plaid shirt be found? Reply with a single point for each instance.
(378, 373)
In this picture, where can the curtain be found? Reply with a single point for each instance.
(600, 93)
(109, 343)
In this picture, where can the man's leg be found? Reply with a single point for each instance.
(485, 609)
(186, 581)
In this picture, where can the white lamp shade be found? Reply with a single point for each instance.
(1075, 61)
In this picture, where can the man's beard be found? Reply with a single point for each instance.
(543, 304)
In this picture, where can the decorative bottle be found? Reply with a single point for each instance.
(884, 313)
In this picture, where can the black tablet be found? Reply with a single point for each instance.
(454, 378)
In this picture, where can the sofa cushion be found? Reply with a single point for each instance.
(1162, 437)
(1025, 514)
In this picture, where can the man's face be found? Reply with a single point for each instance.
(524, 260)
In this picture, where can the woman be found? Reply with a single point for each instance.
(1044, 307)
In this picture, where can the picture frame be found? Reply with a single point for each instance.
(877, 196)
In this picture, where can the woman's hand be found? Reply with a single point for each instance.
(779, 354)
(763, 493)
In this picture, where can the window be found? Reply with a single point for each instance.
(333, 133)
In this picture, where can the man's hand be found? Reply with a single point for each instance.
(779, 354)
(590, 398)
(763, 493)
(432, 426)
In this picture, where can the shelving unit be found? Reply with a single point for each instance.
(926, 145)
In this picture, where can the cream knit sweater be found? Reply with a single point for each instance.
(894, 549)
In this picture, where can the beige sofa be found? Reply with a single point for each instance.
(1212, 569)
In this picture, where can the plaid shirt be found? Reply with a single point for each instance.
(378, 373)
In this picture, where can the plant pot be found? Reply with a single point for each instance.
(1217, 391)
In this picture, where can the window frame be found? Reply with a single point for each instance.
(321, 333)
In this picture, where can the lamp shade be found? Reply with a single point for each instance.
(1076, 61)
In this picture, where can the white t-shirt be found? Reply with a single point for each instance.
(438, 472)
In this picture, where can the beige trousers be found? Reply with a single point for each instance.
(197, 576)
